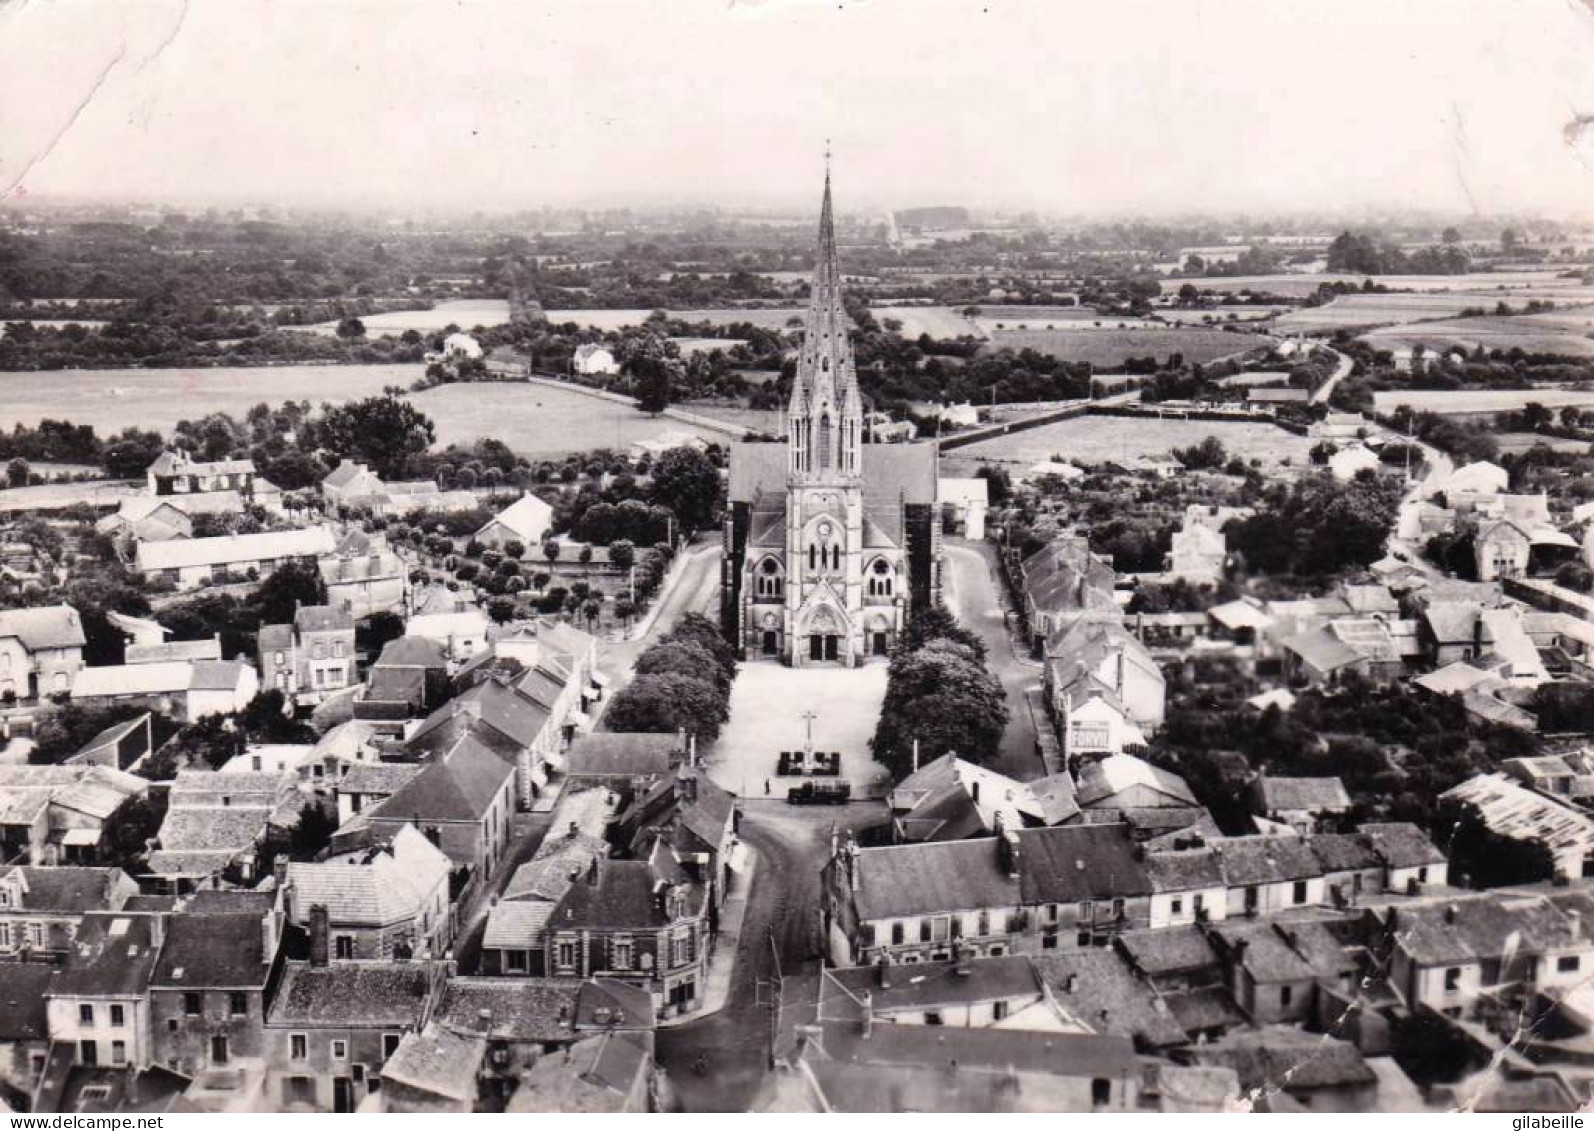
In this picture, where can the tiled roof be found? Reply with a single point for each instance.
(461, 785)
(1169, 950)
(437, 1061)
(213, 951)
(1316, 795)
(68, 889)
(1074, 862)
(50, 626)
(610, 754)
(1098, 988)
(353, 995)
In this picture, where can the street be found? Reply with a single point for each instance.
(974, 594)
(792, 844)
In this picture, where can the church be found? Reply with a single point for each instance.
(830, 542)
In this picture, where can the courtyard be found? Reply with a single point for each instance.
(768, 705)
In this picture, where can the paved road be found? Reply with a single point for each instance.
(974, 592)
(1405, 540)
(696, 591)
(793, 844)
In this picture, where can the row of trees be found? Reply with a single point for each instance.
(940, 695)
(682, 683)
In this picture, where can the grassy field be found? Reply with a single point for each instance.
(537, 421)
(937, 321)
(111, 399)
(1513, 442)
(690, 346)
(463, 312)
(1299, 286)
(1110, 348)
(99, 493)
(1479, 402)
(1219, 314)
(753, 419)
(1557, 335)
(1094, 439)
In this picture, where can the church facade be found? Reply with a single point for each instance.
(830, 542)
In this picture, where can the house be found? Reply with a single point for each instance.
(610, 1072)
(147, 518)
(461, 633)
(526, 521)
(41, 651)
(433, 1071)
(966, 500)
(390, 901)
(215, 822)
(167, 650)
(1122, 782)
(645, 922)
(311, 658)
(1315, 1073)
(621, 761)
(459, 346)
(1472, 483)
(1199, 553)
(408, 678)
(690, 819)
(184, 689)
(1097, 990)
(1349, 462)
(1300, 803)
(1274, 969)
(331, 1027)
(58, 814)
(953, 799)
(1101, 659)
(42, 908)
(192, 562)
(1501, 549)
(1063, 582)
(350, 480)
(1006, 992)
(364, 784)
(1453, 954)
(1241, 621)
(24, 1026)
(498, 716)
(119, 746)
(363, 575)
(208, 993)
(461, 801)
(594, 360)
(1341, 427)
(98, 1003)
(1366, 646)
(175, 472)
(1511, 810)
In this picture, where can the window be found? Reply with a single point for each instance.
(1100, 1092)
(1082, 939)
(622, 954)
(1177, 907)
(768, 582)
(898, 934)
(880, 579)
(1048, 942)
(1567, 964)
(219, 1053)
(358, 1072)
(337, 649)
(1422, 875)
(344, 946)
(1085, 910)
(566, 954)
(932, 1017)
(118, 1052)
(298, 1047)
(1286, 995)
(1299, 893)
(278, 657)
(238, 1004)
(5, 936)
(118, 1016)
(193, 1004)
(1118, 909)
(85, 1014)
(999, 1011)
(924, 930)
(390, 1044)
(340, 1050)
(984, 927)
(515, 961)
(1200, 903)
(1452, 979)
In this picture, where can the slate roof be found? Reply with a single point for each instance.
(392, 884)
(459, 786)
(388, 995)
(934, 1046)
(1480, 928)
(1281, 1058)
(68, 889)
(1402, 844)
(112, 956)
(917, 879)
(610, 754)
(22, 1005)
(1075, 862)
(213, 951)
(322, 618)
(547, 876)
(930, 986)
(1249, 860)
(1097, 987)
(599, 1074)
(623, 894)
(1099, 781)
(380, 778)
(439, 1062)
(413, 651)
(1315, 795)
(1168, 950)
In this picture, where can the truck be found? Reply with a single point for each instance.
(820, 793)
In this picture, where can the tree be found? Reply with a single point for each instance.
(377, 631)
(943, 699)
(292, 584)
(312, 832)
(128, 831)
(350, 328)
(501, 610)
(550, 550)
(684, 657)
(1509, 240)
(686, 481)
(1535, 417)
(1483, 858)
(936, 622)
(622, 554)
(386, 432)
(668, 702)
(18, 473)
(698, 629)
(266, 719)
(1451, 236)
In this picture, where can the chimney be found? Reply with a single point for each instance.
(1574, 920)
(157, 931)
(1007, 849)
(868, 1014)
(320, 925)
(974, 790)
(592, 871)
(1119, 686)
(574, 828)
(279, 869)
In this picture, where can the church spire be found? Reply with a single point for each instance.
(826, 408)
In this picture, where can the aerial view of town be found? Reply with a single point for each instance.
(796, 557)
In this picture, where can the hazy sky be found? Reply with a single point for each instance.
(1116, 106)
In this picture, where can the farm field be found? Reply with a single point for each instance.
(1478, 402)
(937, 321)
(774, 319)
(463, 312)
(1514, 442)
(1375, 310)
(112, 399)
(55, 323)
(97, 492)
(1073, 322)
(753, 419)
(537, 421)
(1094, 439)
(1256, 380)
(690, 346)
(1109, 348)
(1219, 314)
(1299, 286)
(1492, 333)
